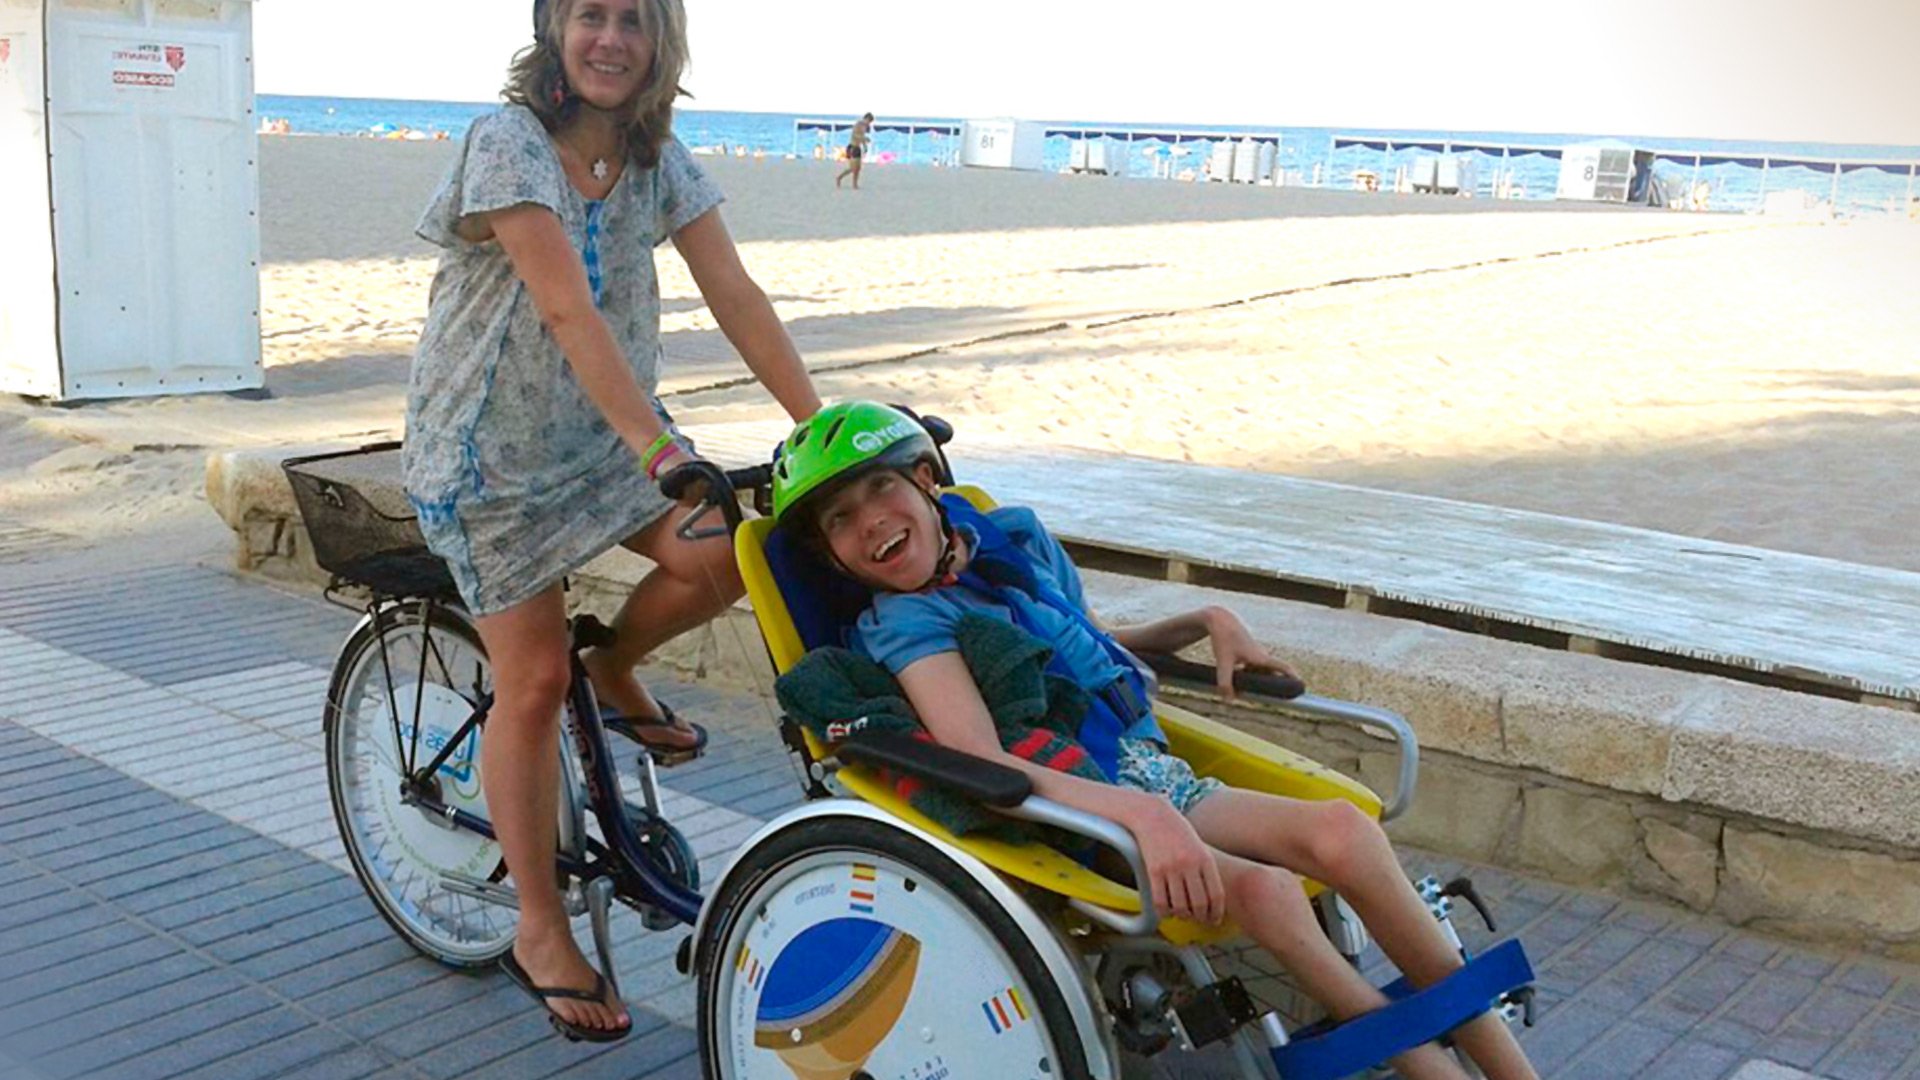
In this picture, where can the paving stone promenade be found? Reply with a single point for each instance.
(173, 901)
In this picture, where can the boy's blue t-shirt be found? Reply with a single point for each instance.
(901, 628)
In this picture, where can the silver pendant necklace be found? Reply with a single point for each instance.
(599, 168)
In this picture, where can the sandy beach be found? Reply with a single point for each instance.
(1737, 378)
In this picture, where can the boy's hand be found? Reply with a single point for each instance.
(1186, 880)
(1235, 650)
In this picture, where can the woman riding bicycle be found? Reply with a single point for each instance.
(535, 439)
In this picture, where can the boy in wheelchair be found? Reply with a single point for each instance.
(858, 484)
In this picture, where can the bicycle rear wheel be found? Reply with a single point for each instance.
(403, 689)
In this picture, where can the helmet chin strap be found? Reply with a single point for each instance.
(943, 566)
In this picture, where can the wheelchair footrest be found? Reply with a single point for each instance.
(1410, 1019)
(1212, 1014)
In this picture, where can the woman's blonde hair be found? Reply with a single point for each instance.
(538, 79)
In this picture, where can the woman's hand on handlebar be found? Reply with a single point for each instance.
(699, 485)
(691, 488)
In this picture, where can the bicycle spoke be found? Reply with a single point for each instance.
(425, 676)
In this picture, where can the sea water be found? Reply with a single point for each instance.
(1306, 154)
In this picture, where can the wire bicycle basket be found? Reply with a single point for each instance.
(352, 537)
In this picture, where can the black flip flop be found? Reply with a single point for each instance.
(542, 994)
(633, 727)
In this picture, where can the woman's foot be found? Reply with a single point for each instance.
(554, 962)
(623, 695)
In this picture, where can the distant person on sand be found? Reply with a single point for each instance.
(535, 437)
(857, 142)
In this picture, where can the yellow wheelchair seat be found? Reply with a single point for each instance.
(1213, 749)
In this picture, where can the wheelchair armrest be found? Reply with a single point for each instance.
(1257, 683)
(973, 778)
(1009, 792)
(1291, 695)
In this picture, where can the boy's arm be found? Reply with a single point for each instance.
(943, 692)
(1185, 878)
(1170, 634)
(1233, 646)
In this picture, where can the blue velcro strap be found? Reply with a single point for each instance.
(1417, 1018)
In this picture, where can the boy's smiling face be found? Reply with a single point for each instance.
(883, 529)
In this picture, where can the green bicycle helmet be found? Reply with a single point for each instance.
(839, 443)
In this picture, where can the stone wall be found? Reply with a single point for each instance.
(1747, 870)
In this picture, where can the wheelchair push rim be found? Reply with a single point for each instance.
(402, 854)
(846, 946)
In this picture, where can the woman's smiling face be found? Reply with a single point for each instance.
(606, 51)
(883, 530)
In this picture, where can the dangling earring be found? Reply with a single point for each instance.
(560, 92)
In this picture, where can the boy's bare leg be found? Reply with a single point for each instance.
(1269, 904)
(1336, 843)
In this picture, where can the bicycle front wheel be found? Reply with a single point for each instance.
(403, 689)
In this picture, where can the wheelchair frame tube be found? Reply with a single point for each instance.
(1369, 718)
(1099, 829)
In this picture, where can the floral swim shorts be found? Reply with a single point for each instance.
(1144, 766)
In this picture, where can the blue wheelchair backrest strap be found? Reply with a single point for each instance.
(1000, 564)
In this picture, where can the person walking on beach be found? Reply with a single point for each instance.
(857, 141)
(535, 436)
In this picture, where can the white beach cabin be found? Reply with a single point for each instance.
(1596, 172)
(129, 198)
(1003, 144)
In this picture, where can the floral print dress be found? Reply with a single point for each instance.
(516, 477)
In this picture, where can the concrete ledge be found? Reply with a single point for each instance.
(1763, 806)
(1767, 807)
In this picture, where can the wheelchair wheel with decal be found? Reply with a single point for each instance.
(404, 688)
(841, 946)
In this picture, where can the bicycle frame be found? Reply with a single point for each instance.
(623, 858)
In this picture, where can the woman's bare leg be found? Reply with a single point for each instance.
(1269, 904)
(1336, 843)
(520, 769)
(691, 582)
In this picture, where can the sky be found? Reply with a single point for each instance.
(1792, 70)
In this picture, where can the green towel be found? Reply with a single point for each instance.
(838, 694)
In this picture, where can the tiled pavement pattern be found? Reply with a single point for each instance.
(173, 901)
